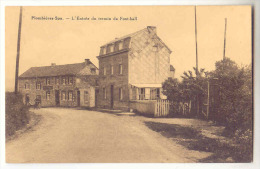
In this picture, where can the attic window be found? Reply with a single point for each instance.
(111, 48)
(104, 50)
(120, 45)
(93, 70)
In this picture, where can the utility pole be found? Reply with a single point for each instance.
(18, 51)
(224, 52)
(197, 64)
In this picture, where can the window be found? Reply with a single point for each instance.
(120, 45)
(63, 80)
(63, 95)
(93, 70)
(120, 94)
(27, 86)
(57, 80)
(120, 69)
(48, 81)
(105, 71)
(142, 94)
(111, 48)
(48, 94)
(38, 85)
(112, 69)
(86, 97)
(70, 96)
(70, 80)
(104, 93)
(104, 50)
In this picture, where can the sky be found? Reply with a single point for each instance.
(71, 41)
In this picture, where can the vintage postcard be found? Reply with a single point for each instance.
(128, 84)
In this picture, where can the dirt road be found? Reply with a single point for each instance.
(82, 136)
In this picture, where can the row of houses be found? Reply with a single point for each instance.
(131, 68)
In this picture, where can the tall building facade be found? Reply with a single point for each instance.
(132, 67)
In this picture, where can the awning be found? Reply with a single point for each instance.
(150, 85)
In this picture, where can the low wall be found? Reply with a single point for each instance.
(143, 106)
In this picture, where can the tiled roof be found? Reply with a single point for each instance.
(56, 70)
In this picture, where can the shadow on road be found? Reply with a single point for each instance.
(193, 139)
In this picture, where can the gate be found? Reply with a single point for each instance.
(162, 108)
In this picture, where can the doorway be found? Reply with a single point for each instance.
(78, 98)
(57, 97)
(112, 96)
(27, 100)
(96, 97)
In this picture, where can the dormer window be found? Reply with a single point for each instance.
(111, 48)
(104, 50)
(120, 45)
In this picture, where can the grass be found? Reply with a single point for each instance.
(191, 138)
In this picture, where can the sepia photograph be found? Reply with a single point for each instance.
(129, 84)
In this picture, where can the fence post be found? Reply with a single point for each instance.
(155, 109)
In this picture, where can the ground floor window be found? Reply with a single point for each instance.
(120, 94)
(142, 94)
(147, 93)
(48, 95)
(63, 95)
(86, 97)
(70, 96)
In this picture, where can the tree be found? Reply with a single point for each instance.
(235, 95)
(191, 90)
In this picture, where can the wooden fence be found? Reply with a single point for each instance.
(162, 108)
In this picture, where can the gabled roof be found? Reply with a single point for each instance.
(136, 33)
(56, 70)
(124, 37)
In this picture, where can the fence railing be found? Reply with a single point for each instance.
(162, 108)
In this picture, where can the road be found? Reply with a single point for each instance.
(82, 136)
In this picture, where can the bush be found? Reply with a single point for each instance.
(16, 113)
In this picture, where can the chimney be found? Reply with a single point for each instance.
(53, 64)
(152, 29)
(87, 61)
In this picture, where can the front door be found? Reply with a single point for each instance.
(78, 98)
(112, 96)
(57, 97)
(96, 95)
(27, 99)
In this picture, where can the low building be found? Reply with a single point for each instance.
(68, 85)
(133, 67)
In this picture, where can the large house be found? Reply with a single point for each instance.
(60, 85)
(133, 67)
